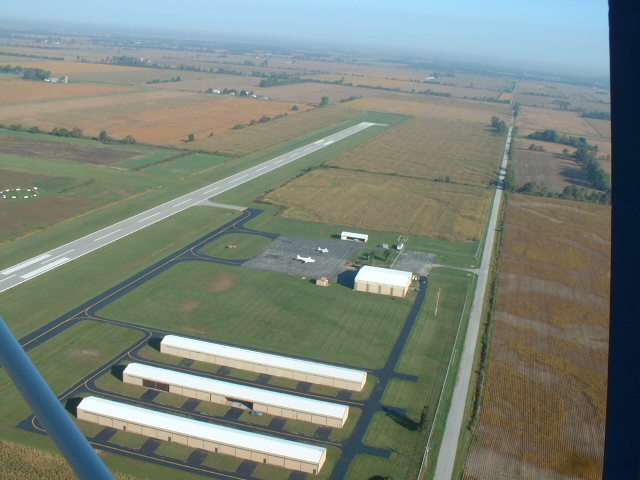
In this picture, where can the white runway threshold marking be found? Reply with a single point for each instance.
(61, 255)
(10, 276)
(105, 236)
(25, 264)
(43, 269)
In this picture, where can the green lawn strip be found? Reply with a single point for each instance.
(57, 292)
(370, 467)
(210, 408)
(128, 439)
(222, 462)
(345, 432)
(298, 426)
(174, 450)
(88, 428)
(271, 472)
(263, 419)
(108, 382)
(188, 164)
(406, 444)
(288, 383)
(170, 399)
(243, 374)
(285, 314)
(246, 246)
(64, 359)
(150, 353)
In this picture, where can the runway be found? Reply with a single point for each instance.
(33, 267)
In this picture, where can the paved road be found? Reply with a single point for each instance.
(449, 445)
(22, 272)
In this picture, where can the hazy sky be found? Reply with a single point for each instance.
(569, 33)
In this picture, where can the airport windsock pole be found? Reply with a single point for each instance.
(45, 405)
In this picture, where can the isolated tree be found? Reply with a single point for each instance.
(295, 107)
(324, 102)
(76, 132)
(103, 136)
(191, 138)
(129, 140)
(424, 420)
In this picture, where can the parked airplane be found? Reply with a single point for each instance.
(305, 259)
(323, 250)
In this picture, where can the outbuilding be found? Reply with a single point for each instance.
(357, 237)
(383, 281)
(226, 393)
(203, 435)
(268, 363)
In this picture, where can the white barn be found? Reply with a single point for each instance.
(203, 435)
(257, 399)
(268, 363)
(383, 281)
(358, 237)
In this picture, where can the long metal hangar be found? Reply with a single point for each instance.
(206, 436)
(257, 399)
(259, 362)
(383, 281)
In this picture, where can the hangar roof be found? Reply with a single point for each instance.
(384, 275)
(202, 430)
(363, 236)
(253, 356)
(240, 392)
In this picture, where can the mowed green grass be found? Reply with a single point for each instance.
(425, 355)
(46, 297)
(269, 311)
(65, 359)
(236, 246)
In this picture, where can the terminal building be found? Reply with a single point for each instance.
(383, 281)
(203, 435)
(267, 363)
(257, 399)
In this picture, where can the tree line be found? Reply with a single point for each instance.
(26, 73)
(74, 132)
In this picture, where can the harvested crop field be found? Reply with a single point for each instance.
(431, 106)
(59, 68)
(552, 168)
(17, 90)
(265, 135)
(313, 92)
(568, 123)
(385, 203)
(430, 148)
(544, 401)
(61, 150)
(160, 117)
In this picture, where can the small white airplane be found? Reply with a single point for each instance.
(323, 250)
(305, 259)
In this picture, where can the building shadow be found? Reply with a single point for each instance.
(347, 278)
(155, 343)
(71, 405)
(117, 371)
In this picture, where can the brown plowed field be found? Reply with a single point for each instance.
(386, 203)
(568, 123)
(430, 148)
(18, 90)
(544, 402)
(431, 106)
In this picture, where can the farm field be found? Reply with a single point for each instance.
(386, 202)
(286, 314)
(313, 92)
(544, 400)
(158, 117)
(568, 123)
(550, 167)
(431, 106)
(429, 148)
(14, 90)
(265, 135)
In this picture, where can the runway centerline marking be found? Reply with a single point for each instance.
(147, 218)
(181, 203)
(110, 233)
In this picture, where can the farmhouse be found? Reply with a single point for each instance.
(203, 435)
(260, 362)
(358, 237)
(383, 281)
(226, 393)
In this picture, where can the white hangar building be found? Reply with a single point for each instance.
(383, 281)
(206, 436)
(257, 399)
(268, 363)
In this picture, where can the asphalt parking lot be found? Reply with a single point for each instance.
(416, 262)
(280, 257)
